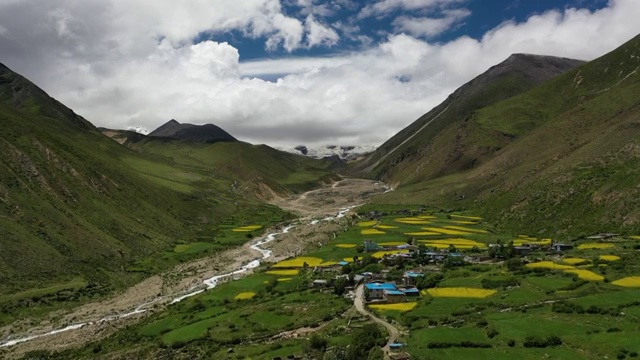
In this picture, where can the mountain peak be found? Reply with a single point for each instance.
(207, 133)
(20, 93)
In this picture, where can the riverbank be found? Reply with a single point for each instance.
(321, 211)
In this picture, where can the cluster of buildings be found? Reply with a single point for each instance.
(390, 292)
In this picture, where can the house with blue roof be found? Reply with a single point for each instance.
(410, 277)
(411, 292)
(376, 290)
(394, 296)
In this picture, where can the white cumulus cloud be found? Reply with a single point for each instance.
(430, 26)
(124, 64)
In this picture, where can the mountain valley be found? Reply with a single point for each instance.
(514, 202)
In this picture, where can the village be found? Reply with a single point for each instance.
(398, 277)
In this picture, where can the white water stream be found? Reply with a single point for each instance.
(209, 283)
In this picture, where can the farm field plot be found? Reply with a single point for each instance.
(407, 306)
(461, 292)
(299, 262)
(595, 246)
(631, 281)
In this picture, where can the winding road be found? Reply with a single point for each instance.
(358, 302)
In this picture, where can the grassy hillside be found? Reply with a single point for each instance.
(435, 144)
(258, 169)
(81, 215)
(565, 159)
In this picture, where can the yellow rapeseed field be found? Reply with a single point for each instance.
(393, 243)
(446, 246)
(466, 217)
(447, 231)
(397, 307)
(346, 246)
(299, 262)
(367, 223)
(631, 281)
(372, 232)
(348, 259)
(595, 246)
(280, 280)
(635, 237)
(532, 241)
(409, 219)
(245, 295)
(461, 292)
(462, 228)
(573, 261)
(247, 228)
(386, 227)
(463, 222)
(427, 217)
(283, 272)
(549, 265)
(609, 257)
(414, 222)
(454, 242)
(380, 254)
(586, 275)
(422, 233)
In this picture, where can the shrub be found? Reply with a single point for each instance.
(537, 342)
(511, 343)
(496, 284)
(491, 333)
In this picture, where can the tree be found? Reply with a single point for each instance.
(429, 281)
(272, 285)
(317, 342)
(376, 354)
(363, 340)
(347, 269)
(514, 264)
(315, 346)
(339, 286)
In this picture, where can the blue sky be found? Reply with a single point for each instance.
(288, 72)
(365, 32)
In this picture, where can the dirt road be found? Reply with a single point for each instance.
(358, 302)
(309, 232)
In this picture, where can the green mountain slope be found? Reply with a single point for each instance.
(566, 154)
(259, 170)
(81, 214)
(434, 145)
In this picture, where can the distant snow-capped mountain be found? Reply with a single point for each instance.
(139, 130)
(344, 152)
